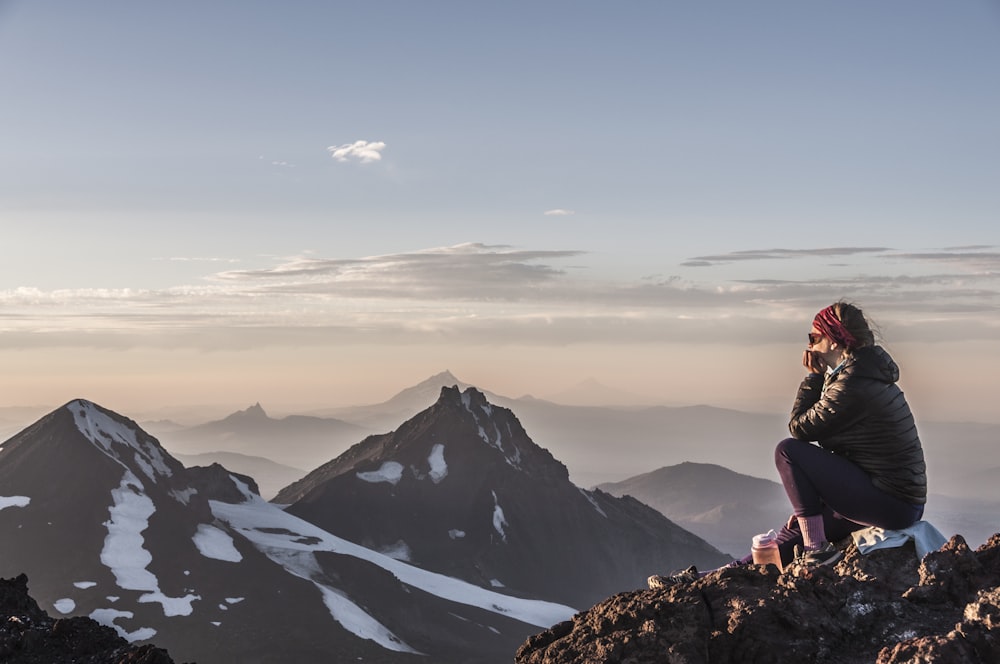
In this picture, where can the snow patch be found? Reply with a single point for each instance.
(13, 501)
(390, 472)
(183, 496)
(455, 533)
(216, 544)
(64, 605)
(514, 457)
(355, 620)
(83, 585)
(291, 541)
(400, 551)
(593, 502)
(107, 618)
(123, 551)
(118, 439)
(235, 600)
(172, 606)
(499, 522)
(299, 560)
(439, 469)
(496, 583)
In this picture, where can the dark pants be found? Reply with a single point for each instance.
(820, 482)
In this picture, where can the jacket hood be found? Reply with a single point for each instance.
(873, 362)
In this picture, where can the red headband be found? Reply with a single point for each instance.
(827, 322)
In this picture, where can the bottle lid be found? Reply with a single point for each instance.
(765, 539)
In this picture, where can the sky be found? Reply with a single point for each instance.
(313, 204)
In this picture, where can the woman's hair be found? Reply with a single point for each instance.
(854, 320)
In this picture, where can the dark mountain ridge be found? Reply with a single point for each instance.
(461, 489)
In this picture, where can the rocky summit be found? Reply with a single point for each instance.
(29, 635)
(882, 607)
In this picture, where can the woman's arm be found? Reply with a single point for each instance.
(819, 414)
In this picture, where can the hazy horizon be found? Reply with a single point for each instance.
(312, 205)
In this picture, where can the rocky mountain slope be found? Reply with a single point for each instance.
(29, 635)
(882, 607)
(461, 489)
(107, 525)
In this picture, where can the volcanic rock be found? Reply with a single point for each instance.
(882, 607)
(29, 635)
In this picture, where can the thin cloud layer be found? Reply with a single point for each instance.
(779, 254)
(363, 151)
(488, 294)
(466, 271)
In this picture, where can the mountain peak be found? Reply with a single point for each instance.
(445, 376)
(254, 412)
(495, 425)
(121, 439)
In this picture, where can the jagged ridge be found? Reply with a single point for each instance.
(461, 489)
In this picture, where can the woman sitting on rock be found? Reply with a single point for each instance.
(868, 467)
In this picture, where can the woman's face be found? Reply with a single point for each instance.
(823, 346)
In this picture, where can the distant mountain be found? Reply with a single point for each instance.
(271, 477)
(602, 444)
(299, 441)
(606, 443)
(724, 507)
(611, 442)
(461, 489)
(388, 415)
(727, 508)
(106, 524)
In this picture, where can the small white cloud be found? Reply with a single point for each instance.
(363, 151)
(559, 212)
(276, 162)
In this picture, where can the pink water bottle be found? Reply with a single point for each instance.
(765, 550)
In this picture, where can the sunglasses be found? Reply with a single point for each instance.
(814, 338)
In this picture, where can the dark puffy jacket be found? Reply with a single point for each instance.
(861, 414)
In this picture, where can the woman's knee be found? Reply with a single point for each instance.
(782, 451)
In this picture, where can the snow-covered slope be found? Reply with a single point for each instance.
(107, 524)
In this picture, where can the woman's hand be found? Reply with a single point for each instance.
(814, 362)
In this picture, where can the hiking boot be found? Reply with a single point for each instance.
(657, 582)
(828, 554)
